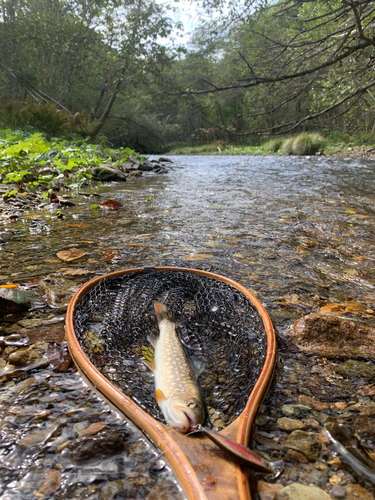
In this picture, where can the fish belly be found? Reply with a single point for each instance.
(173, 372)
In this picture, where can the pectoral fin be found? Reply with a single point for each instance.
(159, 396)
(149, 361)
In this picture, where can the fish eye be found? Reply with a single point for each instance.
(192, 405)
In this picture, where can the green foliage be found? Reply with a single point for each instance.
(23, 157)
(287, 146)
(275, 145)
(308, 144)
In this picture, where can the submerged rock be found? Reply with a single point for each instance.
(103, 444)
(333, 337)
(305, 443)
(296, 491)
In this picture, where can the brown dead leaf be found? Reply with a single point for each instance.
(70, 255)
(65, 271)
(111, 204)
(58, 357)
(108, 255)
(197, 256)
(145, 237)
(50, 483)
(93, 429)
(344, 308)
(78, 226)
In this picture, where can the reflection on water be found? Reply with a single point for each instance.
(298, 232)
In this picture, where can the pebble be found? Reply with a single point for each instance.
(295, 410)
(338, 492)
(290, 424)
(296, 491)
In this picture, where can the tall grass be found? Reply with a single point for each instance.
(308, 144)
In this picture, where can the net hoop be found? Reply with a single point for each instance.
(201, 476)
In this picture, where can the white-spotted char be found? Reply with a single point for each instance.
(176, 387)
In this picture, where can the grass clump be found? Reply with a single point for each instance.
(287, 146)
(275, 145)
(308, 144)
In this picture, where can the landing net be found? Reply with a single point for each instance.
(221, 331)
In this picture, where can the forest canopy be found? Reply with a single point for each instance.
(253, 68)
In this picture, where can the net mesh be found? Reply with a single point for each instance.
(221, 331)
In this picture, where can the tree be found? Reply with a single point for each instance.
(293, 62)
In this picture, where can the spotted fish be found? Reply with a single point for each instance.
(176, 389)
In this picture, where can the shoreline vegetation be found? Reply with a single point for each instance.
(31, 162)
(304, 144)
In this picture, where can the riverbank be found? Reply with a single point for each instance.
(335, 144)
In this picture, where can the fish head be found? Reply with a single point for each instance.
(184, 412)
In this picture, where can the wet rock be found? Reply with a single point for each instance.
(58, 357)
(57, 184)
(290, 424)
(135, 173)
(165, 160)
(24, 356)
(333, 337)
(35, 439)
(146, 166)
(305, 443)
(267, 491)
(295, 410)
(25, 384)
(31, 323)
(111, 490)
(50, 483)
(103, 444)
(133, 160)
(297, 491)
(356, 369)
(356, 492)
(338, 492)
(107, 173)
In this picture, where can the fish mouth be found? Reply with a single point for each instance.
(192, 424)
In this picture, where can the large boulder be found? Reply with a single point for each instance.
(333, 337)
(107, 173)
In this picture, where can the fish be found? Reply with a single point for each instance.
(241, 454)
(347, 445)
(176, 388)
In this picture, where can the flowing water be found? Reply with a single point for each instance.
(298, 232)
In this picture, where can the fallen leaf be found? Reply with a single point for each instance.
(93, 429)
(145, 237)
(65, 271)
(197, 256)
(77, 225)
(111, 204)
(70, 255)
(58, 357)
(50, 483)
(344, 308)
(110, 255)
(9, 286)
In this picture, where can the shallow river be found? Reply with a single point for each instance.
(298, 232)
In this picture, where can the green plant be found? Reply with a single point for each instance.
(274, 145)
(308, 144)
(287, 146)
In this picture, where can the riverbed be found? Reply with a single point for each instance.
(298, 232)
